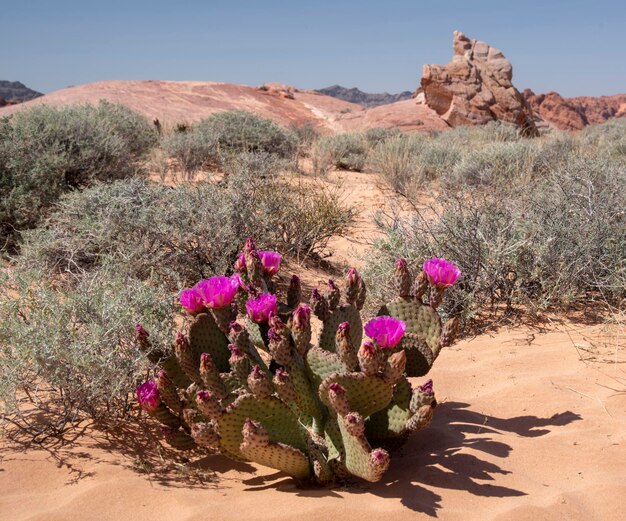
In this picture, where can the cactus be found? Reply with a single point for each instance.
(250, 381)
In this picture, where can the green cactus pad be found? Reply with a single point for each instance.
(205, 337)
(279, 420)
(344, 313)
(174, 371)
(321, 364)
(423, 329)
(256, 336)
(419, 357)
(279, 456)
(332, 436)
(366, 394)
(307, 401)
(357, 454)
(391, 421)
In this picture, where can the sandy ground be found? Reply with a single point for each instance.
(531, 426)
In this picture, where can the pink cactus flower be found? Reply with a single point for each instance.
(386, 331)
(148, 396)
(261, 308)
(217, 292)
(191, 300)
(270, 260)
(441, 273)
(142, 334)
(240, 263)
(240, 283)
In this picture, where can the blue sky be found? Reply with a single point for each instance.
(573, 47)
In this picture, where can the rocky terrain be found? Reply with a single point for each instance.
(575, 113)
(366, 99)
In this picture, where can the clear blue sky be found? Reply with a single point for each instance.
(573, 47)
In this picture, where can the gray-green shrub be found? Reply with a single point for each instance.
(72, 349)
(185, 233)
(46, 151)
(552, 242)
(345, 151)
(239, 131)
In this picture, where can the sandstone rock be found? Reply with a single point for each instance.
(576, 113)
(476, 87)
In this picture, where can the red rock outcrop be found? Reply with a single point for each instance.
(576, 113)
(476, 87)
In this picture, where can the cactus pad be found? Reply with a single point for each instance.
(273, 414)
(344, 313)
(205, 337)
(391, 421)
(366, 394)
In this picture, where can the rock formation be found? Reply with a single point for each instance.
(475, 88)
(576, 113)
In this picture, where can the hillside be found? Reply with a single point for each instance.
(173, 102)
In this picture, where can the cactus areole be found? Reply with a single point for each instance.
(262, 388)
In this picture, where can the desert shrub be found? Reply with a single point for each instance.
(346, 151)
(189, 151)
(184, 233)
(240, 131)
(374, 136)
(396, 160)
(559, 241)
(46, 151)
(493, 165)
(608, 138)
(306, 134)
(72, 350)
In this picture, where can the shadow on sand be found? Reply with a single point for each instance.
(437, 458)
(447, 455)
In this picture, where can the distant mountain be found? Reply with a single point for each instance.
(14, 91)
(364, 98)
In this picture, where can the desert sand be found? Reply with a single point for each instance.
(531, 425)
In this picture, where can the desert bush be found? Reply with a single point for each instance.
(189, 151)
(493, 165)
(608, 138)
(73, 350)
(185, 232)
(46, 151)
(396, 160)
(559, 241)
(374, 136)
(306, 134)
(240, 131)
(346, 151)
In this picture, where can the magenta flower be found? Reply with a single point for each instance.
(148, 396)
(217, 292)
(240, 283)
(191, 300)
(240, 263)
(261, 308)
(270, 260)
(441, 273)
(386, 331)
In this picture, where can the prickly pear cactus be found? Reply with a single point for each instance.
(250, 380)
